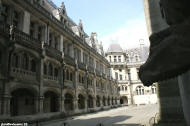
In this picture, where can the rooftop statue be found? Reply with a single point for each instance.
(170, 48)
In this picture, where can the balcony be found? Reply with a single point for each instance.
(20, 37)
(23, 74)
(118, 63)
(123, 81)
(69, 60)
(52, 52)
(81, 66)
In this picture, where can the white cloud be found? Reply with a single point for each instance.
(129, 35)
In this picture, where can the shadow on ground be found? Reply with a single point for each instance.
(106, 121)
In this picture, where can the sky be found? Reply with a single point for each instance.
(114, 21)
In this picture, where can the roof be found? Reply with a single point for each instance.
(114, 47)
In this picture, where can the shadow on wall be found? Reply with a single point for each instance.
(106, 121)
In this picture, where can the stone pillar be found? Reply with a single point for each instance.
(26, 22)
(94, 102)
(61, 43)
(41, 92)
(76, 104)
(6, 105)
(86, 103)
(170, 106)
(153, 16)
(72, 50)
(46, 34)
(184, 87)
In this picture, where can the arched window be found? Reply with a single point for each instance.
(50, 69)
(33, 65)
(153, 89)
(140, 90)
(25, 61)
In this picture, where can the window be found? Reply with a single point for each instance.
(129, 74)
(140, 90)
(127, 58)
(138, 73)
(122, 88)
(116, 75)
(32, 29)
(45, 69)
(15, 61)
(118, 88)
(110, 58)
(119, 58)
(125, 88)
(4, 13)
(56, 43)
(40, 33)
(120, 77)
(50, 68)
(136, 58)
(50, 39)
(71, 76)
(25, 61)
(153, 89)
(15, 19)
(56, 72)
(115, 60)
(33, 65)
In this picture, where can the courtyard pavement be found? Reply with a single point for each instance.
(123, 116)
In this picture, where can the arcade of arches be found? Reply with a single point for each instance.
(25, 101)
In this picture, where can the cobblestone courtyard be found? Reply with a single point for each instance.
(124, 116)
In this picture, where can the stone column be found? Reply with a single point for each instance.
(6, 105)
(61, 43)
(26, 22)
(41, 92)
(86, 103)
(46, 34)
(76, 105)
(153, 16)
(184, 87)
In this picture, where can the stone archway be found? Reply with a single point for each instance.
(50, 102)
(22, 102)
(68, 102)
(81, 101)
(124, 100)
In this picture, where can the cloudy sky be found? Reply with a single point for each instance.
(115, 21)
